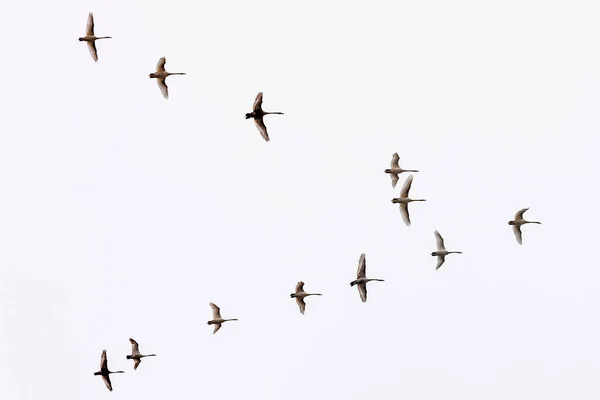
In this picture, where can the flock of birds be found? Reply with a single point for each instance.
(361, 278)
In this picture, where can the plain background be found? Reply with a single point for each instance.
(125, 214)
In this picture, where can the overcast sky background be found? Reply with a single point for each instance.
(125, 214)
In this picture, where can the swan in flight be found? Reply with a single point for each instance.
(361, 278)
(394, 170)
(403, 200)
(441, 252)
(300, 294)
(161, 75)
(518, 221)
(90, 38)
(258, 114)
(104, 372)
(217, 319)
(136, 356)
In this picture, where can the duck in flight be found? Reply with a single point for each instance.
(217, 319)
(104, 372)
(161, 75)
(518, 221)
(300, 294)
(136, 356)
(441, 252)
(258, 114)
(394, 170)
(90, 38)
(403, 200)
(361, 278)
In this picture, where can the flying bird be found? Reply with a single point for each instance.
(90, 38)
(217, 319)
(105, 372)
(300, 294)
(361, 278)
(441, 252)
(258, 114)
(136, 356)
(394, 170)
(161, 75)
(519, 220)
(403, 200)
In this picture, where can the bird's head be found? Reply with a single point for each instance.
(81, 39)
(433, 254)
(248, 115)
(394, 200)
(511, 222)
(387, 171)
(293, 295)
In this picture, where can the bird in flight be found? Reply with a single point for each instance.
(161, 75)
(136, 356)
(441, 252)
(258, 114)
(217, 319)
(90, 38)
(394, 170)
(518, 221)
(104, 372)
(361, 278)
(403, 200)
(300, 294)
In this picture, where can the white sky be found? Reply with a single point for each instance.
(125, 214)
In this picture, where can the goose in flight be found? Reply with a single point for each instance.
(258, 114)
(161, 75)
(519, 220)
(217, 319)
(361, 278)
(90, 38)
(441, 252)
(403, 200)
(300, 294)
(136, 356)
(394, 170)
(105, 372)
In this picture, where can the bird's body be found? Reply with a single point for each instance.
(161, 75)
(403, 200)
(361, 278)
(90, 38)
(300, 294)
(518, 222)
(394, 170)
(104, 372)
(135, 355)
(258, 114)
(441, 252)
(217, 319)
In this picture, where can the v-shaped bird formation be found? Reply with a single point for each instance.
(300, 295)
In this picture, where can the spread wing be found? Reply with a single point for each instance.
(134, 346)
(439, 240)
(258, 102)
(405, 214)
(106, 379)
(441, 260)
(300, 287)
(517, 231)
(103, 361)
(394, 179)
(136, 362)
(519, 214)
(89, 29)
(217, 327)
(92, 48)
(216, 311)
(164, 89)
(362, 266)
(395, 160)
(362, 289)
(260, 124)
(406, 187)
(160, 67)
(301, 304)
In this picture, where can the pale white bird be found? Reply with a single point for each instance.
(136, 356)
(441, 252)
(518, 221)
(300, 294)
(394, 170)
(361, 278)
(90, 38)
(161, 75)
(217, 319)
(403, 200)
